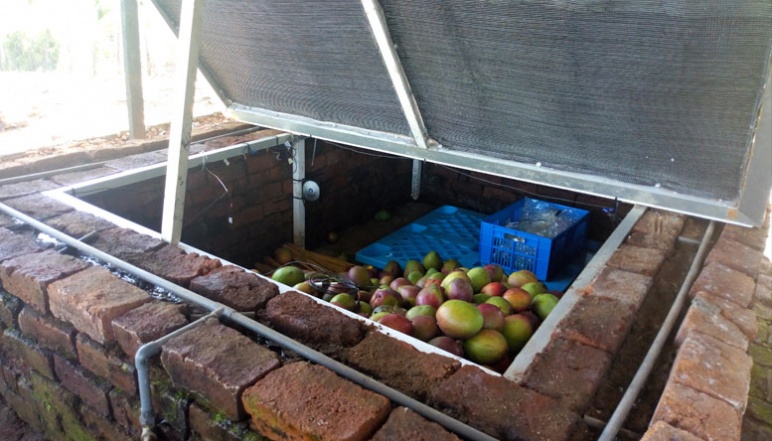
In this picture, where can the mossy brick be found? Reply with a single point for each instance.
(91, 390)
(568, 371)
(28, 276)
(597, 321)
(147, 323)
(700, 414)
(761, 382)
(384, 358)
(106, 363)
(9, 377)
(169, 403)
(82, 176)
(14, 245)
(502, 408)
(10, 306)
(761, 354)
(763, 312)
(38, 206)
(753, 430)
(91, 299)
(404, 424)
(218, 363)
(234, 287)
(640, 260)
(33, 356)
(760, 410)
(175, 265)
(26, 187)
(108, 429)
(74, 428)
(705, 318)
(77, 223)
(125, 244)
(208, 427)
(725, 282)
(736, 256)
(661, 431)
(763, 294)
(52, 400)
(753, 237)
(125, 411)
(743, 318)
(303, 401)
(26, 407)
(49, 333)
(713, 367)
(764, 336)
(620, 285)
(317, 325)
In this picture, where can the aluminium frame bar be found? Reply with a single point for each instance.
(132, 68)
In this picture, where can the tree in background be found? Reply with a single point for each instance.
(22, 52)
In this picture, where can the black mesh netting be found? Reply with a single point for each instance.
(642, 91)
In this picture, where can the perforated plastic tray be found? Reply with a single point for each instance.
(451, 231)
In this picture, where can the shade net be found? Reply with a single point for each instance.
(657, 93)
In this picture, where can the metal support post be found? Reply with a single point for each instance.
(179, 137)
(415, 189)
(298, 204)
(132, 68)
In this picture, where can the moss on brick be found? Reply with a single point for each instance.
(761, 354)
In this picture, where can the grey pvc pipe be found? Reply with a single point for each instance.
(228, 313)
(631, 394)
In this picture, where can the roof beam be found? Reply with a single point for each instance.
(377, 20)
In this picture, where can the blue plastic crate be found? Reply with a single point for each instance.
(451, 231)
(514, 250)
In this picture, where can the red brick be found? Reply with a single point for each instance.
(217, 362)
(646, 261)
(502, 408)
(101, 362)
(303, 401)
(82, 176)
(125, 410)
(77, 223)
(620, 285)
(705, 318)
(313, 323)
(108, 429)
(26, 187)
(28, 276)
(404, 424)
(656, 229)
(14, 245)
(10, 306)
(736, 256)
(91, 299)
(661, 431)
(175, 265)
(752, 237)
(234, 287)
(38, 206)
(745, 319)
(125, 244)
(599, 322)
(715, 368)
(725, 282)
(147, 323)
(568, 371)
(700, 414)
(384, 358)
(31, 355)
(49, 333)
(92, 391)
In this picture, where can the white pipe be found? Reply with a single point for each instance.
(282, 340)
(631, 394)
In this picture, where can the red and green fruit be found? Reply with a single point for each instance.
(432, 259)
(345, 301)
(480, 298)
(494, 289)
(521, 277)
(535, 288)
(425, 327)
(359, 275)
(459, 289)
(430, 295)
(455, 274)
(459, 319)
(397, 322)
(419, 310)
(495, 271)
(415, 276)
(409, 294)
(543, 304)
(448, 344)
(502, 303)
(385, 296)
(493, 318)
(377, 316)
(399, 281)
(486, 347)
(519, 298)
(386, 279)
(391, 309)
(305, 287)
(392, 268)
(364, 309)
(517, 331)
(479, 278)
(449, 265)
(413, 266)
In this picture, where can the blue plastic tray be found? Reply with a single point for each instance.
(451, 231)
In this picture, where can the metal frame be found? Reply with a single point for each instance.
(298, 203)
(132, 66)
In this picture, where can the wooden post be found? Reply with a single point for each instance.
(179, 136)
(132, 68)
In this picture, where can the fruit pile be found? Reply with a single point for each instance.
(479, 313)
